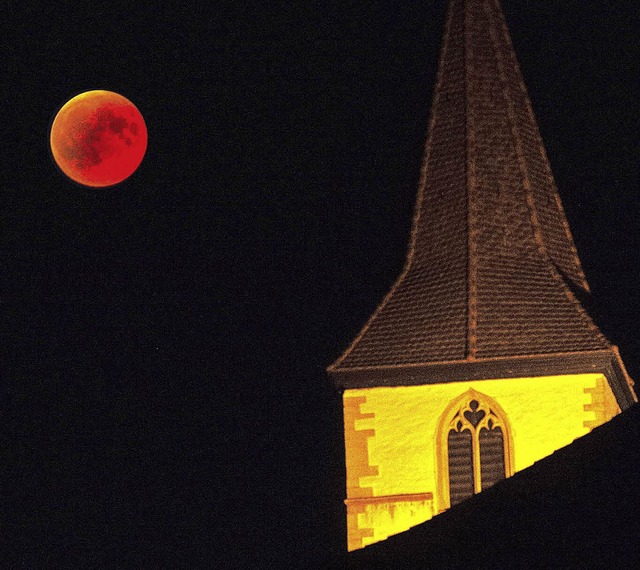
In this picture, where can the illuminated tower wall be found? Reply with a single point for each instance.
(481, 358)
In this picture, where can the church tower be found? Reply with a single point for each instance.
(481, 359)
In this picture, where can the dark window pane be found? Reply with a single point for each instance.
(491, 456)
(460, 466)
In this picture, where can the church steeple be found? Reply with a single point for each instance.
(491, 281)
(481, 359)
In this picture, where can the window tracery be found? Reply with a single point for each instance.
(475, 449)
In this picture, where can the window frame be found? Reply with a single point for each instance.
(458, 406)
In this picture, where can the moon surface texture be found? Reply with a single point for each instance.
(98, 138)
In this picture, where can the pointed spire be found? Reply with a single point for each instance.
(492, 270)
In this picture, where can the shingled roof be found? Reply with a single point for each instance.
(492, 277)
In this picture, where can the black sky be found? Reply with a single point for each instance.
(164, 341)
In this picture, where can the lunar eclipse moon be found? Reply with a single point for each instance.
(98, 138)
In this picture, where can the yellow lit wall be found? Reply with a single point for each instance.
(392, 450)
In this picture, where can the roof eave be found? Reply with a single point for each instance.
(607, 362)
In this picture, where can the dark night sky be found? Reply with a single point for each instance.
(164, 341)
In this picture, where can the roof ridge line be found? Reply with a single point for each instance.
(472, 182)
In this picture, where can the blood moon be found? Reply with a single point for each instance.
(98, 138)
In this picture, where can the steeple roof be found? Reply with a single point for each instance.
(492, 274)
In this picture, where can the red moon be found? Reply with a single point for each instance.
(98, 138)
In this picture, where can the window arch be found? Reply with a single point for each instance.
(474, 446)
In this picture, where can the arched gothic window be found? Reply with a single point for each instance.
(474, 448)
